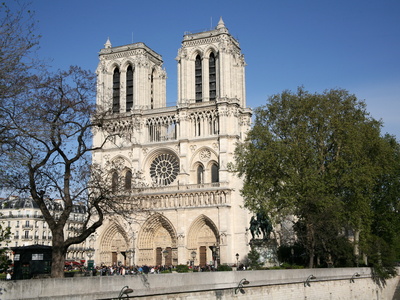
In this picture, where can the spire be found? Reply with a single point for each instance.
(107, 44)
(221, 23)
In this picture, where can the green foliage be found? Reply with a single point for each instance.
(224, 268)
(253, 259)
(321, 158)
(182, 269)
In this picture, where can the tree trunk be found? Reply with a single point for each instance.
(58, 256)
(310, 245)
(356, 245)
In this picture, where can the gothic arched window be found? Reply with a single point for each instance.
(114, 182)
(128, 180)
(129, 88)
(198, 79)
(212, 77)
(116, 84)
(214, 173)
(200, 174)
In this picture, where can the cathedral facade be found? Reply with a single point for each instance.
(177, 155)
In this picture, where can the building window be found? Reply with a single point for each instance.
(114, 182)
(152, 89)
(164, 169)
(200, 174)
(212, 77)
(214, 173)
(128, 180)
(198, 79)
(129, 88)
(116, 84)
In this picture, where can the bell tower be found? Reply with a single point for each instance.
(211, 66)
(130, 77)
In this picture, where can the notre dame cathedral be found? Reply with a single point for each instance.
(180, 154)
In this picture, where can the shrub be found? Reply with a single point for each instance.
(182, 269)
(224, 268)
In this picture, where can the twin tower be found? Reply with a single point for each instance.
(187, 206)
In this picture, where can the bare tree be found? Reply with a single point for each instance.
(18, 44)
(49, 156)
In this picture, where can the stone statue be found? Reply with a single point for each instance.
(254, 227)
(260, 225)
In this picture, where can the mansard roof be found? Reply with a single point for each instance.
(16, 202)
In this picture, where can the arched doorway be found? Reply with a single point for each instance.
(114, 245)
(157, 242)
(203, 238)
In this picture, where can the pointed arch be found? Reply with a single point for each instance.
(116, 90)
(150, 228)
(129, 87)
(212, 76)
(197, 235)
(157, 234)
(113, 244)
(198, 70)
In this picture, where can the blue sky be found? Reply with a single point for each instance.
(320, 44)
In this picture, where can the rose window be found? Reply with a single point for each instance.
(164, 169)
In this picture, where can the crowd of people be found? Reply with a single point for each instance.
(119, 269)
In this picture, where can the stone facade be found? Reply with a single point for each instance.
(178, 155)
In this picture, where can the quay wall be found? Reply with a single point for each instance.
(330, 284)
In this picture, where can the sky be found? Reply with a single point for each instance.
(318, 44)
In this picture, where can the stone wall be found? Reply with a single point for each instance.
(270, 284)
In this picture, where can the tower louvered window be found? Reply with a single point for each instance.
(198, 79)
(213, 77)
(152, 90)
(116, 84)
(129, 88)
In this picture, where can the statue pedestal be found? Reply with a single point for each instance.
(267, 250)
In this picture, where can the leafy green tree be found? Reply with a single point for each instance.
(253, 258)
(383, 247)
(317, 157)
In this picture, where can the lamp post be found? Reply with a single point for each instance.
(193, 254)
(214, 255)
(90, 254)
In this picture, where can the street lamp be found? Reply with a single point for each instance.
(240, 287)
(193, 254)
(125, 291)
(90, 254)
(307, 282)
